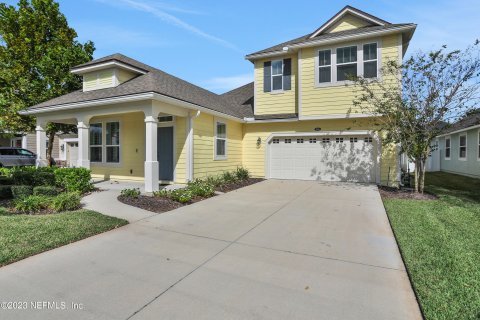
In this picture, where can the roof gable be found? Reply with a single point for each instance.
(348, 18)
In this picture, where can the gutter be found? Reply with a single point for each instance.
(129, 98)
(460, 130)
(329, 41)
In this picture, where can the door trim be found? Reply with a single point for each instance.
(172, 124)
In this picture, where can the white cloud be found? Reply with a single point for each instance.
(224, 84)
(171, 19)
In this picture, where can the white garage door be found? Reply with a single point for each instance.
(327, 158)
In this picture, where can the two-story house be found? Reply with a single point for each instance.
(293, 122)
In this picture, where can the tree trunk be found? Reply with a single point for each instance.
(51, 139)
(421, 177)
(417, 168)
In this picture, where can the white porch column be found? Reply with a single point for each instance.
(83, 135)
(41, 145)
(151, 161)
(189, 165)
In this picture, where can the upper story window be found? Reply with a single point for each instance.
(339, 64)
(370, 60)
(447, 148)
(462, 146)
(220, 141)
(324, 66)
(277, 75)
(346, 63)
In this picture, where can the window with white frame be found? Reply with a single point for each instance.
(346, 63)
(462, 146)
(96, 135)
(277, 75)
(447, 148)
(220, 140)
(370, 60)
(105, 142)
(324, 66)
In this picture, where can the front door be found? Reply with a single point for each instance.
(165, 153)
(72, 154)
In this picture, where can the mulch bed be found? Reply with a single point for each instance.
(394, 193)
(154, 204)
(239, 184)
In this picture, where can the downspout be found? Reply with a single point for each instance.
(190, 119)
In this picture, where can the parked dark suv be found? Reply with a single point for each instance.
(15, 157)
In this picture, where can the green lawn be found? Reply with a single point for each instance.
(440, 242)
(25, 235)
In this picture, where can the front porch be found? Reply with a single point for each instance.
(144, 141)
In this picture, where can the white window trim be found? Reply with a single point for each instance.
(215, 156)
(104, 144)
(271, 76)
(450, 148)
(333, 62)
(317, 71)
(466, 147)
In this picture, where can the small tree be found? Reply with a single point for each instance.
(434, 88)
(37, 50)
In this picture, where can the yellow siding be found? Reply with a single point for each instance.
(272, 103)
(124, 75)
(89, 81)
(132, 148)
(254, 156)
(348, 22)
(203, 160)
(336, 99)
(180, 150)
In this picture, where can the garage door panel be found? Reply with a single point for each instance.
(330, 159)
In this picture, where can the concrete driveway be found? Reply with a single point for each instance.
(274, 250)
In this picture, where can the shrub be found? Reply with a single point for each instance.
(20, 192)
(183, 195)
(23, 176)
(242, 173)
(201, 188)
(215, 181)
(5, 181)
(44, 176)
(74, 179)
(66, 201)
(131, 193)
(4, 211)
(49, 191)
(31, 204)
(5, 192)
(228, 177)
(4, 172)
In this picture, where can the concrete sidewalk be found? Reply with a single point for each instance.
(273, 250)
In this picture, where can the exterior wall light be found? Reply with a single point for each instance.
(259, 141)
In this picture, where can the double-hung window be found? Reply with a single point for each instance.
(277, 75)
(462, 146)
(370, 60)
(96, 135)
(447, 148)
(324, 66)
(346, 63)
(105, 142)
(220, 141)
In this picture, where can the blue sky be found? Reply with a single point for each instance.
(205, 42)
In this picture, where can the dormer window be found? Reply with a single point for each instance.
(277, 75)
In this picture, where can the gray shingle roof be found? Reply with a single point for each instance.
(156, 81)
(242, 97)
(471, 119)
(329, 36)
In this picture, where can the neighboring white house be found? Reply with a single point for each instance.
(65, 148)
(459, 147)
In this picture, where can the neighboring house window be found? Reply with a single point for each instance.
(324, 66)
(220, 141)
(105, 142)
(96, 134)
(346, 63)
(370, 60)
(447, 148)
(462, 146)
(277, 75)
